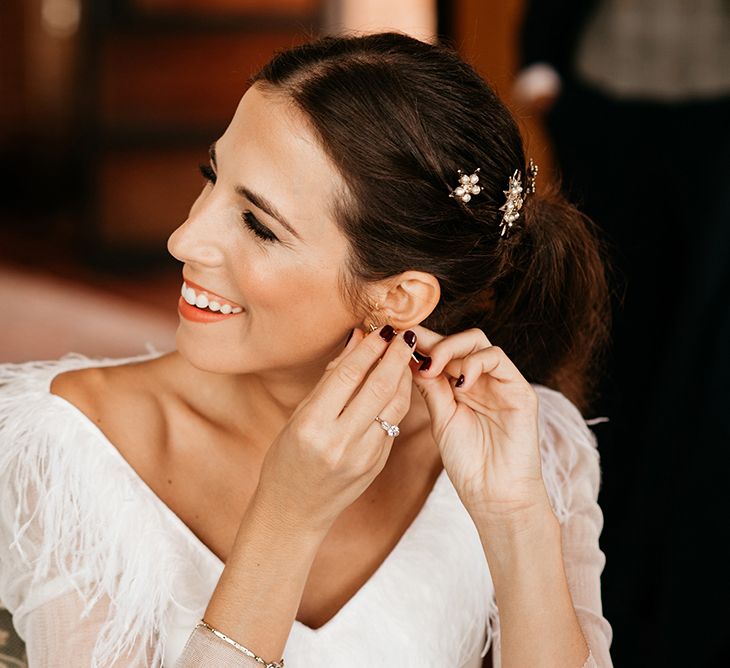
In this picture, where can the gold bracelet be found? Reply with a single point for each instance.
(239, 647)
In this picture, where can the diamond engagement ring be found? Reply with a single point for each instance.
(392, 429)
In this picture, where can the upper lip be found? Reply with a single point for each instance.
(209, 293)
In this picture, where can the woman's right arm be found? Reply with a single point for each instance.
(327, 455)
(268, 569)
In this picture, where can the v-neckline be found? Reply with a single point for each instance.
(211, 556)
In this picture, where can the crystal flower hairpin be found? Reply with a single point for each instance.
(512, 206)
(515, 198)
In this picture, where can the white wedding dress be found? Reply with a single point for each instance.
(97, 571)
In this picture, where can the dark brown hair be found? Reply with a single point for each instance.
(399, 117)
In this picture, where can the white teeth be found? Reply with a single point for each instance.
(202, 302)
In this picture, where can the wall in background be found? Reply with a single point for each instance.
(487, 34)
(107, 107)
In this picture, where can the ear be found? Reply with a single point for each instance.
(407, 299)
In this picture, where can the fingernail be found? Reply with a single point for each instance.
(424, 361)
(387, 333)
(460, 381)
(409, 337)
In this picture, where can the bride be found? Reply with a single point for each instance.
(366, 448)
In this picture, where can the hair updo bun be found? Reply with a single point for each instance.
(399, 118)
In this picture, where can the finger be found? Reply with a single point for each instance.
(439, 398)
(337, 386)
(492, 361)
(356, 336)
(427, 338)
(454, 347)
(381, 386)
(393, 413)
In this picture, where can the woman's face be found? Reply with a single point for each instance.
(280, 268)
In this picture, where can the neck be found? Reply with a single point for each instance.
(252, 408)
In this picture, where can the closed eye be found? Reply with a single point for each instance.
(251, 222)
(208, 173)
(261, 231)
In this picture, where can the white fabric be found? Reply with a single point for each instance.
(95, 568)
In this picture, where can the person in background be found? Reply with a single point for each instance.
(636, 99)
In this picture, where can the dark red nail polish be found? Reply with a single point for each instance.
(418, 356)
(387, 333)
(460, 381)
(425, 365)
(409, 337)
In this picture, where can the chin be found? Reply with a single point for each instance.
(221, 357)
(234, 356)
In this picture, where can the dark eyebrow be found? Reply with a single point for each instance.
(257, 200)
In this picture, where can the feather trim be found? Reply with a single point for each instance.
(68, 510)
(562, 432)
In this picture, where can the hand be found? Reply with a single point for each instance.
(486, 429)
(331, 449)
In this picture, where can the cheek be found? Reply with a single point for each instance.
(294, 314)
(289, 303)
(284, 290)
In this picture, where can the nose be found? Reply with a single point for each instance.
(199, 240)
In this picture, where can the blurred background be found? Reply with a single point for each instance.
(108, 106)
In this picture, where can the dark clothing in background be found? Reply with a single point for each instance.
(551, 30)
(656, 177)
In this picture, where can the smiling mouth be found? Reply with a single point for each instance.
(206, 300)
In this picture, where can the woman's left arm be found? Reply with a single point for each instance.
(538, 623)
(580, 529)
(487, 429)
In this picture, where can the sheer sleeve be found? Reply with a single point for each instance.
(60, 634)
(583, 559)
(571, 470)
(205, 649)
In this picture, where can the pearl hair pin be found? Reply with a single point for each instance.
(467, 186)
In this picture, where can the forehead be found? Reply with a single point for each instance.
(269, 148)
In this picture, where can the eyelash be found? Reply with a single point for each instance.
(261, 231)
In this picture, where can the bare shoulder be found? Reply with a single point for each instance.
(79, 386)
(124, 401)
(97, 387)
